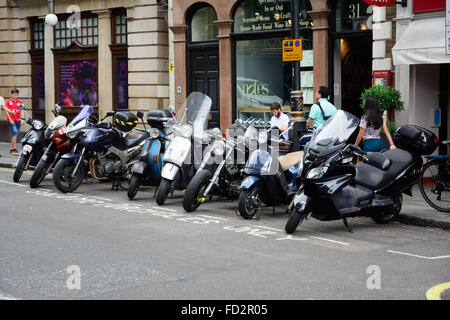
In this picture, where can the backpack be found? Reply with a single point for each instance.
(323, 113)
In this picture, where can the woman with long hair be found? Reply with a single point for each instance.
(370, 128)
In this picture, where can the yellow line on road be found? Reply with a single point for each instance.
(436, 292)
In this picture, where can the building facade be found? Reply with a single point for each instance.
(422, 66)
(109, 53)
(232, 51)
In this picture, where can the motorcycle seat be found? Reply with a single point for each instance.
(377, 159)
(289, 160)
(135, 139)
(373, 177)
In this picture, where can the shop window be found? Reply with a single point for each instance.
(202, 25)
(86, 35)
(39, 86)
(261, 76)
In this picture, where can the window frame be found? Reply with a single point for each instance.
(84, 14)
(118, 51)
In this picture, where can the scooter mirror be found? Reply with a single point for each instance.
(21, 106)
(171, 109)
(109, 113)
(57, 109)
(140, 114)
(239, 122)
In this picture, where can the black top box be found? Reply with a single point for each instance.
(125, 120)
(156, 118)
(415, 139)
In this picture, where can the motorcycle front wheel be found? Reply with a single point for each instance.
(133, 188)
(248, 206)
(163, 191)
(193, 197)
(62, 176)
(39, 173)
(20, 167)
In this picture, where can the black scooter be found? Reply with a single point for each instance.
(33, 146)
(334, 189)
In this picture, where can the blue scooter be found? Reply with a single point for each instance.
(270, 181)
(147, 169)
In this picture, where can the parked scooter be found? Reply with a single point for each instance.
(105, 152)
(59, 144)
(188, 127)
(271, 179)
(33, 146)
(335, 189)
(227, 175)
(147, 169)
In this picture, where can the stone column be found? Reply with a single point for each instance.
(49, 66)
(320, 46)
(225, 81)
(104, 62)
(179, 44)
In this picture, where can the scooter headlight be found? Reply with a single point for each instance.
(186, 131)
(37, 125)
(219, 148)
(154, 133)
(316, 173)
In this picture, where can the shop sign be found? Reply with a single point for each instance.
(379, 3)
(382, 77)
(266, 15)
(292, 50)
(420, 6)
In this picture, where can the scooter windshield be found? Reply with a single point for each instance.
(83, 114)
(339, 127)
(195, 111)
(251, 133)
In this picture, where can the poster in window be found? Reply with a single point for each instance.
(122, 83)
(78, 83)
(40, 86)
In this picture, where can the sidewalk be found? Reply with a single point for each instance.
(415, 210)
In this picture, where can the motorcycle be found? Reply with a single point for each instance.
(106, 151)
(188, 127)
(33, 145)
(59, 144)
(335, 189)
(270, 179)
(147, 169)
(227, 176)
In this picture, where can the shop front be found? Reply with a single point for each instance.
(232, 51)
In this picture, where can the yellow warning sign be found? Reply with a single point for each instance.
(292, 50)
(171, 66)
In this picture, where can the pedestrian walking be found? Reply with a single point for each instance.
(13, 115)
(370, 128)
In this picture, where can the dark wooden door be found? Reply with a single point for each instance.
(204, 77)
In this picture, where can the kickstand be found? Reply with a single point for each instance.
(347, 226)
(258, 214)
(156, 191)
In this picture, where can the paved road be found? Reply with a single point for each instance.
(137, 250)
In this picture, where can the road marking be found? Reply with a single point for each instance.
(13, 183)
(100, 198)
(269, 228)
(7, 297)
(333, 241)
(292, 238)
(204, 215)
(418, 256)
(435, 292)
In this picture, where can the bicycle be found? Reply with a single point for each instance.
(434, 183)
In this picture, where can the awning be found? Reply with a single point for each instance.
(423, 42)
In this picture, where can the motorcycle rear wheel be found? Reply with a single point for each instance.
(62, 179)
(133, 188)
(20, 167)
(195, 190)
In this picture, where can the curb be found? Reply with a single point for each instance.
(7, 165)
(423, 222)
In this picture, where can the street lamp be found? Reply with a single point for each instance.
(51, 19)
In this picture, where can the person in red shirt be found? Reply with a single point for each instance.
(13, 115)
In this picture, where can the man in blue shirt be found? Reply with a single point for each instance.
(322, 110)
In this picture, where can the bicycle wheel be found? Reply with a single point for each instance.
(434, 184)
